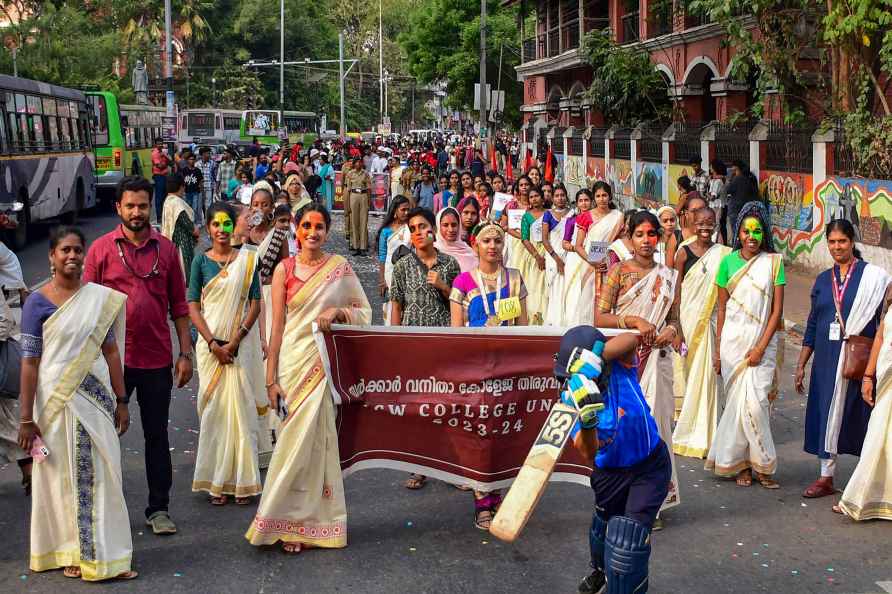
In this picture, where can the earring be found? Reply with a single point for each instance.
(52, 269)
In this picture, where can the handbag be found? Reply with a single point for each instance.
(10, 368)
(855, 350)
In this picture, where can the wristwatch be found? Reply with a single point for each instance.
(186, 356)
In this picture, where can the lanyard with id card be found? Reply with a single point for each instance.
(836, 327)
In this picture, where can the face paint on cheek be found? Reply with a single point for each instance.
(754, 229)
(224, 222)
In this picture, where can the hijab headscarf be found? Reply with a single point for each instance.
(304, 195)
(458, 249)
(756, 210)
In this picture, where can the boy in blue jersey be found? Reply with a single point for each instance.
(631, 470)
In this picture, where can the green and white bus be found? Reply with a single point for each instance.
(271, 126)
(122, 137)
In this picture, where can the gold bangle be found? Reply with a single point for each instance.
(26, 422)
(622, 322)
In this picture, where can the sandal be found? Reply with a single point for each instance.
(127, 575)
(767, 482)
(745, 478)
(483, 512)
(837, 510)
(483, 519)
(291, 548)
(820, 488)
(415, 482)
(242, 500)
(72, 571)
(219, 500)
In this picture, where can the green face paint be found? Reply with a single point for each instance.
(224, 222)
(754, 229)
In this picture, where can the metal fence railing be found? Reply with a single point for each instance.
(687, 141)
(732, 141)
(788, 148)
(596, 143)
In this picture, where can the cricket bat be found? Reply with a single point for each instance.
(521, 500)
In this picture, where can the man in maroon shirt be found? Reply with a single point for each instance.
(145, 265)
(160, 171)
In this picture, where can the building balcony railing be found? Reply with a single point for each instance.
(630, 27)
(554, 42)
(593, 24)
(529, 49)
(570, 36)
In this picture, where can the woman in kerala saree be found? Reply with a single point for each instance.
(73, 398)
(602, 224)
(533, 270)
(698, 264)
(868, 495)
(224, 303)
(303, 499)
(750, 304)
(641, 294)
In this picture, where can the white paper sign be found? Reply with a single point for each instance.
(500, 200)
(515, 215)
(536, 232)
(597, 250)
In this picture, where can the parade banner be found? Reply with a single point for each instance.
(461, 405)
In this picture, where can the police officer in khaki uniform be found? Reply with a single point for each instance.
(357, 185)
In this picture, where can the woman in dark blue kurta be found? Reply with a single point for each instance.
(856, 413)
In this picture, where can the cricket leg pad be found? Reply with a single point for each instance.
(596, 540)
(626, 556)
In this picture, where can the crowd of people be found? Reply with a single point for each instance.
(458, 246)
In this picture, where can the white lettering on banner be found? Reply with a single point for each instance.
(432, 385)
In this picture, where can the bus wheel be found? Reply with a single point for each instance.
(19, 236)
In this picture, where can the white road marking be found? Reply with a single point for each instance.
(886, 586)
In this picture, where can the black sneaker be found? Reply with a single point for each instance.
(594, 583)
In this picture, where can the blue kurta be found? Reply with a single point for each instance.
(856, 413)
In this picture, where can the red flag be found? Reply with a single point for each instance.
(509, 171)
(528, 161)
(549, 170)
(493, 161)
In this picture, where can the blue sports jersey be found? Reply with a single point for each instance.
(627, 432)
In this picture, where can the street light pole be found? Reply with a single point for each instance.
(281, 54)
(380, 62)
(214, 94)
(483, 97)
(169, 99)
(343, 126)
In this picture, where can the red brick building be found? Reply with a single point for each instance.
(687, 50)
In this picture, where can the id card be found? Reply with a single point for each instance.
(835, 331)
(509, 309)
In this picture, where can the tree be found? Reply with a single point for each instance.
(442, 43)
(626, 87)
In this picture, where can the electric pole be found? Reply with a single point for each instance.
(343, 126)
(483, 98)
(281, 54)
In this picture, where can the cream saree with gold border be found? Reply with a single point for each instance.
(580, 301)
(78, 513)
(743, 436)
(303, 499)
(868, 496)
(651, 298)
(226, 461)
(696, 424)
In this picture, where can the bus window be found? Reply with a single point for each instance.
(231, 122)
(14, 144)
(38, 132)
(53, 129)
(20, 103)
(100, 119)
(65, 133)
(4, 147)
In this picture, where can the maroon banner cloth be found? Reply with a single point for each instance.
(458, 404)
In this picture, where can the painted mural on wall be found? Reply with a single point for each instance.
(619, 174)
(574, 174)
(649, 183)
(789, 196)
(867, 203)
(676, 171)
(595, 170)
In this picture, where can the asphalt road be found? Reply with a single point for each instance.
(722, 538)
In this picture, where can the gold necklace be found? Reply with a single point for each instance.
(490, 277)
(223, 272)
